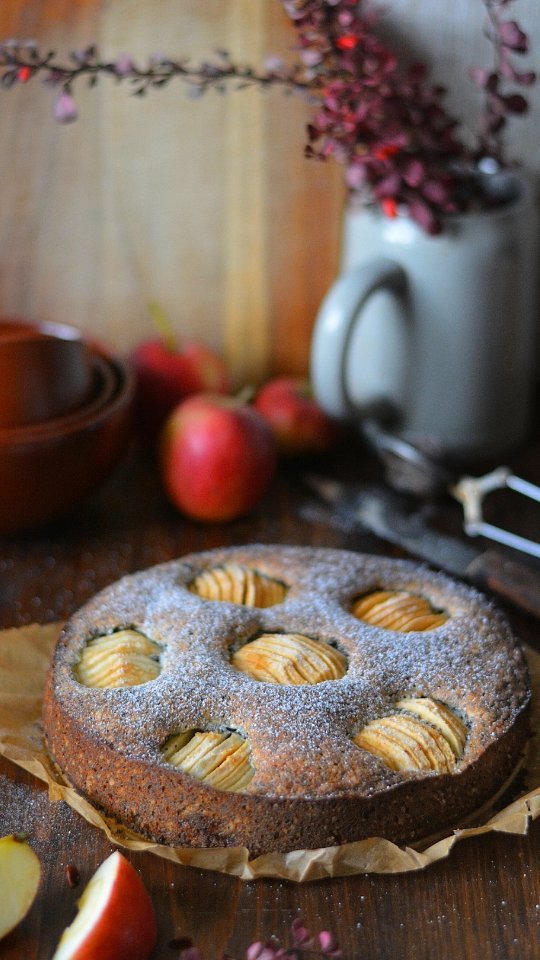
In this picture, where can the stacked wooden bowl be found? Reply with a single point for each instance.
(65, 418)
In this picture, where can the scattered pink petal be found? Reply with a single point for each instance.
(260, 951)
(300, 934)
(190, 953)
(326, 941)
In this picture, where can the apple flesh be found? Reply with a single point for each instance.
(115, 919)
(217, 456)
(165, 375)
(20, 873)
(299, 425)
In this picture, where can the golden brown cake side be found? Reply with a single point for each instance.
(180, 812)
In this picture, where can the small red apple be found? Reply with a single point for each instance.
(116, 919)
(297, 421)
(167, 372)
(217, 457)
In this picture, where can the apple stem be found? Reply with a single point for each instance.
(163, 326)
(245, 395)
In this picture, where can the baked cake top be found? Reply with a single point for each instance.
(305, 738)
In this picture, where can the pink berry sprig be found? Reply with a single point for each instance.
(21, 62)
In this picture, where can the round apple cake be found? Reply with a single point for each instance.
(282, 698)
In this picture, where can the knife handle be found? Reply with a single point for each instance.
(514, 581)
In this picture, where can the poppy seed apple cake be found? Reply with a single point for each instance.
(284, 698)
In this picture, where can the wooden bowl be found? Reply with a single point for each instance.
(45, 372)
(104, 385)
(45, 473)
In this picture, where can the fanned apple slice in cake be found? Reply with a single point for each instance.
(125, 658)
(440, 716)
(397, 610)
(219, 758)
(289, 658)
(424, 735)
(236, 584)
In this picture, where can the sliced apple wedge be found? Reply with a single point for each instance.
(116, 919)
(20, 872)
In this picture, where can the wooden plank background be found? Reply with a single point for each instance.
(207, 206)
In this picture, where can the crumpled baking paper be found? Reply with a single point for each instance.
(24, 658)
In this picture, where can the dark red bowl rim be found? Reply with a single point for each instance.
(87, 417)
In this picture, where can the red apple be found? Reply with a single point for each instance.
(217, 457)
(116, 919)
(298, 423)
(168, 372)
(165, 375)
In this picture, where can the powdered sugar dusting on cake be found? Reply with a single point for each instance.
(465, 662)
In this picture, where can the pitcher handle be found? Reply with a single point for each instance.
(337, 317)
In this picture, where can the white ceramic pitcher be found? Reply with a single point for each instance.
(440, 329)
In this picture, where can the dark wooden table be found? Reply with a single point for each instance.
(481, 902)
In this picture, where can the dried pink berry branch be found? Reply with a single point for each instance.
(508, 41)
(387, 125)
(21, 62)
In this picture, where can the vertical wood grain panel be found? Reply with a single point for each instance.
(164, 178)
(246, 305)
(49, 176)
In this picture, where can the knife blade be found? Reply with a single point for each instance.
(386, 514)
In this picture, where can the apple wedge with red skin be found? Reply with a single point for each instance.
(217, 457)
(300, 426)
(166, 374)
(115, 919)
